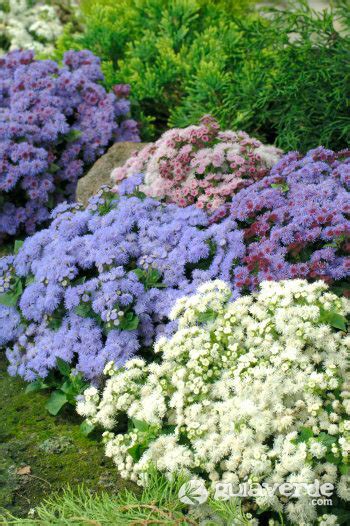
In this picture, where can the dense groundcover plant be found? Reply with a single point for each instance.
(199, 165)
(53, 123)
(149, 42)
(255, 390)
(279, 77)
(99, 283)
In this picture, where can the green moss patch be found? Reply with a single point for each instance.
(41, 454)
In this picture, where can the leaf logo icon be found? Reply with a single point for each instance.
(193, 492)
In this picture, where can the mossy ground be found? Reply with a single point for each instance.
(53, 447)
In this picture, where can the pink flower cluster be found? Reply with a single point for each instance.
(199, 165)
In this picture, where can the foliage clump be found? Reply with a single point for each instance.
(282, 78)
(149, 42)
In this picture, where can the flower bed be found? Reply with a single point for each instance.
(99, 283)
(295, 222)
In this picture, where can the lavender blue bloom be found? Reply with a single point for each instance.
(53, 123)
(101, 281)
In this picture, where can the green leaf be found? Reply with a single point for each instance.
(207, 316)
(86, 428)
(29, 279)
(281, 186)
(129, 321)
(54, 323)
(344, 469)
(140, 425)
(9, 299)
(305, 434)
(53, 168)
(334, 319)
(168, 430)
(18, 245)
(72, 135)
(150, 278)
(136, 452)
(84, 310)
(63, 367)
(68, 389)
(326, 440)
(55, 403)
(35, 386)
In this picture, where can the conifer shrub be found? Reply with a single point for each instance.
(281, 77)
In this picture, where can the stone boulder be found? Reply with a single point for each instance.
(100, 173)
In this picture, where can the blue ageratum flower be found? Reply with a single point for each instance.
(98, 284)
(54, 122)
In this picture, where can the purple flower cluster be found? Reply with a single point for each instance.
(98, 284)
(53, 122)
(296, 221)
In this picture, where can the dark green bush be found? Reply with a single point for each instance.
(283, 76)
(148, 42)
(284, 80)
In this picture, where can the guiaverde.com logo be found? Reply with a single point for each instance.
(193, 492)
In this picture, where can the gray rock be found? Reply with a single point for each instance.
(100, 173)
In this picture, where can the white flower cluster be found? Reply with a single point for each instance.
(255, 390)
(27, 26)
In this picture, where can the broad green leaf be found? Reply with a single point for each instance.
(344, 469)
(9, 299)
(168, 430)
(129, 322)
(207, 316)
(281, 186)
(35, 386)
(326, 440)
(136, 452)
(140, 425)
(72, 135)
(86, 428)
(29, 279)
(83, 310)
(334, 319)
(68, 389)
(55, 323)
(55, 403)
(18, 245)
(63, 367)
(53, 168)
(304, 434)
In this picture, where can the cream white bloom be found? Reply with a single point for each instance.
(29, 25)
(257, 389)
